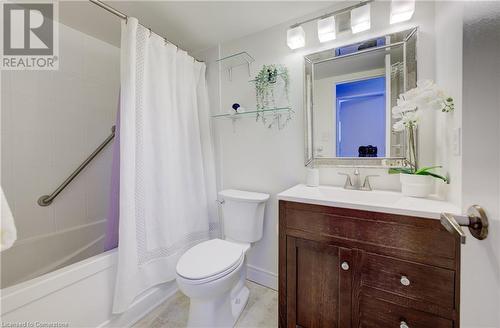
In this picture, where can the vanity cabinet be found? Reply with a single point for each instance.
(343, 267)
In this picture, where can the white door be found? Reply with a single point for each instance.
(480, 290)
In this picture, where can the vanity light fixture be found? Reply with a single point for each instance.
(295, 37)
(326, 29)
(401, 10)
(327, 24)
(360, 19)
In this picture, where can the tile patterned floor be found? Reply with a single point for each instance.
(260, 312)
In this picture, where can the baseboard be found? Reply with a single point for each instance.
(262, 277)
(146, 303)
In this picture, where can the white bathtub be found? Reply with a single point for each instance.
(79, 295)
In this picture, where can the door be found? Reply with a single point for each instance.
(480, 289)
(319, 284)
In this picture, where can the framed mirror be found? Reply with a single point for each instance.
(349, 93)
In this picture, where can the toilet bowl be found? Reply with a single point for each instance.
(213, 273)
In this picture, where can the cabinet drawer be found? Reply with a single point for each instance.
(415, 239)
(412, 280)
(379, 314)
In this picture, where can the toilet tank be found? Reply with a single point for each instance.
(243, 214)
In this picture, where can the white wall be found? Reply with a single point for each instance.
(253, 157)
(481, 161)
(448, 43)
(51, 121)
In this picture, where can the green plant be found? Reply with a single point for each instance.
(422, 171)
(265, 82)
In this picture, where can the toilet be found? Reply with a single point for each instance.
(213, 273)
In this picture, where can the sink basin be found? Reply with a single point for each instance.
(374, 197)
(375, 200)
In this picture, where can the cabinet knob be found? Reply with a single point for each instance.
(405, 282)
(344, 266)
(403, 324)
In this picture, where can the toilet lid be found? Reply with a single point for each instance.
(209, 258)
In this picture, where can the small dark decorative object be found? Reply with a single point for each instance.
(367, 151)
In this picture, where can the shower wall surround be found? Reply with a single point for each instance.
(51, 121)
(253, 157)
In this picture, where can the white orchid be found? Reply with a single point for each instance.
(398, 126)
(426, 95)
(402, 108)
(408, 120)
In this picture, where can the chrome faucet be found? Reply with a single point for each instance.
(354, 183)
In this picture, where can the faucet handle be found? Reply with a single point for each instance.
(366, 183)
(348, 182)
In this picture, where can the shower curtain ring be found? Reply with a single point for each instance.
(150, 31)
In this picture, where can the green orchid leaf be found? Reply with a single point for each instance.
(400, 170)
(422, 171)
(437, 176)
(425, 169)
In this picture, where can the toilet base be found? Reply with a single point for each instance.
(224, 310)
(239, 302)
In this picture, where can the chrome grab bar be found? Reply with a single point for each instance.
(476, 220)
(46, 200)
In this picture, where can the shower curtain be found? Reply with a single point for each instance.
(167, 173)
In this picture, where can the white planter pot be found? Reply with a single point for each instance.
(416, 185)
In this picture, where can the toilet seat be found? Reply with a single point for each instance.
(212, 278)
(210, 260)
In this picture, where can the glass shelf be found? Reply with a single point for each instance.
(241, 58)
(235, 60)
(263, 112)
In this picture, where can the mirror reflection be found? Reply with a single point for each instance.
(353, 89)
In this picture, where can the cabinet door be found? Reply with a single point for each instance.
(318, 284)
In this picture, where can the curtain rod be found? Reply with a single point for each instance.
(125, 17)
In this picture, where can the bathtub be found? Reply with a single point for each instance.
(78, 295)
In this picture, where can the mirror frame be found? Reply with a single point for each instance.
(309, 61)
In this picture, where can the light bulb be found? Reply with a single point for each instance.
(360, 19)
(326, 29)
(401, 10)
(295, 37)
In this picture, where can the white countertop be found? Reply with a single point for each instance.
(375, 201)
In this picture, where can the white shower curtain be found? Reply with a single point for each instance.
(167, 174)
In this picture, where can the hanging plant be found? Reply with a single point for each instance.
(265, 83)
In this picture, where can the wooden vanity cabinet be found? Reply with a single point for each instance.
(350, 268)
